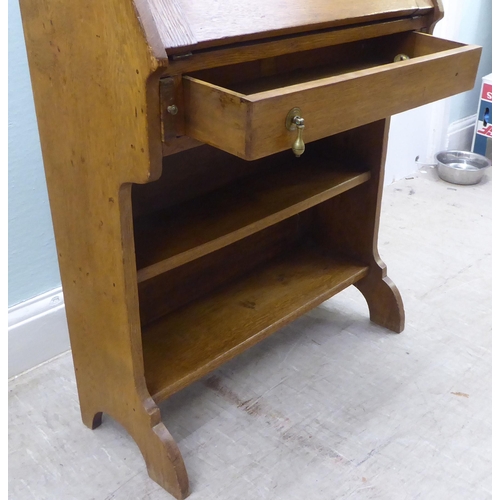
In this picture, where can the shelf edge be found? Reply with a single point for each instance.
(189, 255)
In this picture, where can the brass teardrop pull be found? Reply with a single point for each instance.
(294, 121)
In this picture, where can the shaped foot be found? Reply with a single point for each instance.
(160, 452)
(384, 302)
(164, 461)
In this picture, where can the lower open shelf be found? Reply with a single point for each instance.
(189, 342)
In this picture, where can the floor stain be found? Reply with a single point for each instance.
(288, 432)
(310, 442)
(215, 383)
(461, 394)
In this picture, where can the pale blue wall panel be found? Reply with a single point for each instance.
(32, 255)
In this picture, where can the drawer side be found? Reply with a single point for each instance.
(215, 116)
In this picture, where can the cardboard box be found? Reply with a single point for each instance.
(483, 136)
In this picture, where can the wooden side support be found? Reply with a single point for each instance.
(355, 232)
(436, 16)
(96, 97)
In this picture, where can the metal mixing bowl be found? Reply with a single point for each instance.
(461, 167)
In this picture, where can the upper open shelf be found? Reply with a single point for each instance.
(180, 234)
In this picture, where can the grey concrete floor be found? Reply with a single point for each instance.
(335, 406)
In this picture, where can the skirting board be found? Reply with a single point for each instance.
(461, 134)
(38, 331)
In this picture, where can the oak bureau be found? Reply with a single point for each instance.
(215, 170)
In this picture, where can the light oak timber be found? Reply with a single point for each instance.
(117, 159)
(435, 16)
(226, 56)
(251, 125)
(178, 144)
(334, 61)
(355, 232)
(411, 85)
(174, 28)
(190, 342)
(168, 291)
(193, 173)
(99, 133)
(241, 21)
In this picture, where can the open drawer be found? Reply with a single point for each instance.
(242, 109)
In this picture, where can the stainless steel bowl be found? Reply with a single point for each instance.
(461, 167)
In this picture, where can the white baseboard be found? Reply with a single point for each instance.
(461, 134)
(38, 331)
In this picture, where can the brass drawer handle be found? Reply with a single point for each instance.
(401, 57)
(294, 121)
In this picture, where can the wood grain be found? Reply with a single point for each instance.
(190, 342)
(216, 22)
(361, 97)
(252, 51)
(192, 173)
(214, 116)
(99, 134)
(168, 291)
(356, 231)
(174, 28)
(228, 251)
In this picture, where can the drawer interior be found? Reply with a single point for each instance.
(294, 69)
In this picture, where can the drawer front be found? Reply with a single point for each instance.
(252, 125)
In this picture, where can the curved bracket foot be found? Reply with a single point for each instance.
(384, 302)
(164, 461)
(161, 454)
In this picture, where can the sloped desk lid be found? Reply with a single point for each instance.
(197, 24)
